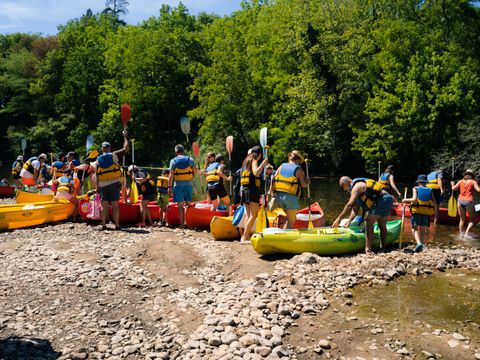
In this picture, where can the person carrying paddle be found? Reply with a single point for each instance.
(215, 188)
(31, 170)
(146, 187)
(250, 191)
(16, 169)
(435, 182)
(369, 195)
(180, 180)
(388, 181)
(466, 203)
(108, 175)
(287, 182)
(423, 206)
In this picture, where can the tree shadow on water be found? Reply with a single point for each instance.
(27, 348)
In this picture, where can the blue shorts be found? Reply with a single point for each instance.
(383, 205)
(287, 201)
(182, 193)
(420, 220)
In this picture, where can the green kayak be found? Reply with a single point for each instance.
(322, 241)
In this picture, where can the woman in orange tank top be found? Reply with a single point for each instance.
(465, 200)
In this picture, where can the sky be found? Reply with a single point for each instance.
(43, 16)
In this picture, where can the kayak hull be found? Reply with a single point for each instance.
(7, 191)
(443, 217)
(16, 216)
(200, 218)
(318, 217)
(322, 241)
(129, 213)
(25, 197)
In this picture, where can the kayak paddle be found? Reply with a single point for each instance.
(185, 125)
(133, 188)
(310, 222)
(229, 147)
(125, 117)
(196, 153)
(262, 220)
(403, 220)
(452, 206)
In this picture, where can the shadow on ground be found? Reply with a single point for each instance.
(14, 347)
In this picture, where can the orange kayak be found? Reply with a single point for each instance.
(200, 216)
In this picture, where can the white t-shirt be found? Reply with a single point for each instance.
(27, 174)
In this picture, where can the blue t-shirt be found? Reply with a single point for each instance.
(172, 168)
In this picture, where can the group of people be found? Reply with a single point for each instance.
(374, 200)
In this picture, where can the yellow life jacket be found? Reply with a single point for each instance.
(433, 180)
(248, 179)
(183, 170)
(147, 187)
(16, 168)
(162, 184)
(28, 165)
(212, 173)
(58, 168)
(64, 184)
(285, 180)
(384, 180)
(107, 169)
(374, 189)
(424, 203)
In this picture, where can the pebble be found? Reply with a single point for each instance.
(453, 343)
(324, 344)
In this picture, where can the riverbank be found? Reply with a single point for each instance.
(71, 291)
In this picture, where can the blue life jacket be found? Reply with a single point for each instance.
(424, 203)
(182, 168)
(107, 169)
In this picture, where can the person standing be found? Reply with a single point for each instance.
(31, 170)
(435, 182)
(286, 184)
(215, 183)
(465, 201)
(108, 174)
(146, 188)
(65, 187)
(423, 206)
(388, 181)
(250, 189)
(369, 195)
(180, 180)
(59, 166)
(16, 169)
(162, 193)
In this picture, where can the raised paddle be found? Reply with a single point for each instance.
(310, 222)
(452, 202)
(125, 113)
(229, 147)
(262, 219)
(185, 125)
(24, 146)
(403, 219)
(196, 153)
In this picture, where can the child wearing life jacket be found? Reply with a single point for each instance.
(65, 186)
(423, 207)
(215, 183)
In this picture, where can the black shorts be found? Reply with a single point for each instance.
(110, 192)
(250, 194)
(149, 197)
(437, 194)
(216, 190)
(16, 177)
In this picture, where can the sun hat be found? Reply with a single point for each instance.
(422, 178)
(469, 172)
(20, 158)
(43, 156)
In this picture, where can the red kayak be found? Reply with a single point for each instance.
(318, 217)
(443, 217)
(129, 213)
(7, 191)
(200, 216)
(171, 215)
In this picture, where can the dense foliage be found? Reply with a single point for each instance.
(349, 82)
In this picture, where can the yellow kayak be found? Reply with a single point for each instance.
(16, 216)
(25, 197)
(222, 228)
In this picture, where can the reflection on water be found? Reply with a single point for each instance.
(443, 300)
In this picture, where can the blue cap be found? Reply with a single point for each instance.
(422, 179)
(106, 144)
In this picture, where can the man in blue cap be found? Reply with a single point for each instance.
(108, 179)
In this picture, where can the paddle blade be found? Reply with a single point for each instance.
(229, 145)
(196, 148)
(261, 220)
(185, 124)
(263, 137)
(89, 142)
(125, 114)
(133, 193)
(452, 206)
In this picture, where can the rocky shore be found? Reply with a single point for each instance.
(70, 291)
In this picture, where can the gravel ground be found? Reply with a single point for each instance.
(70, 291)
